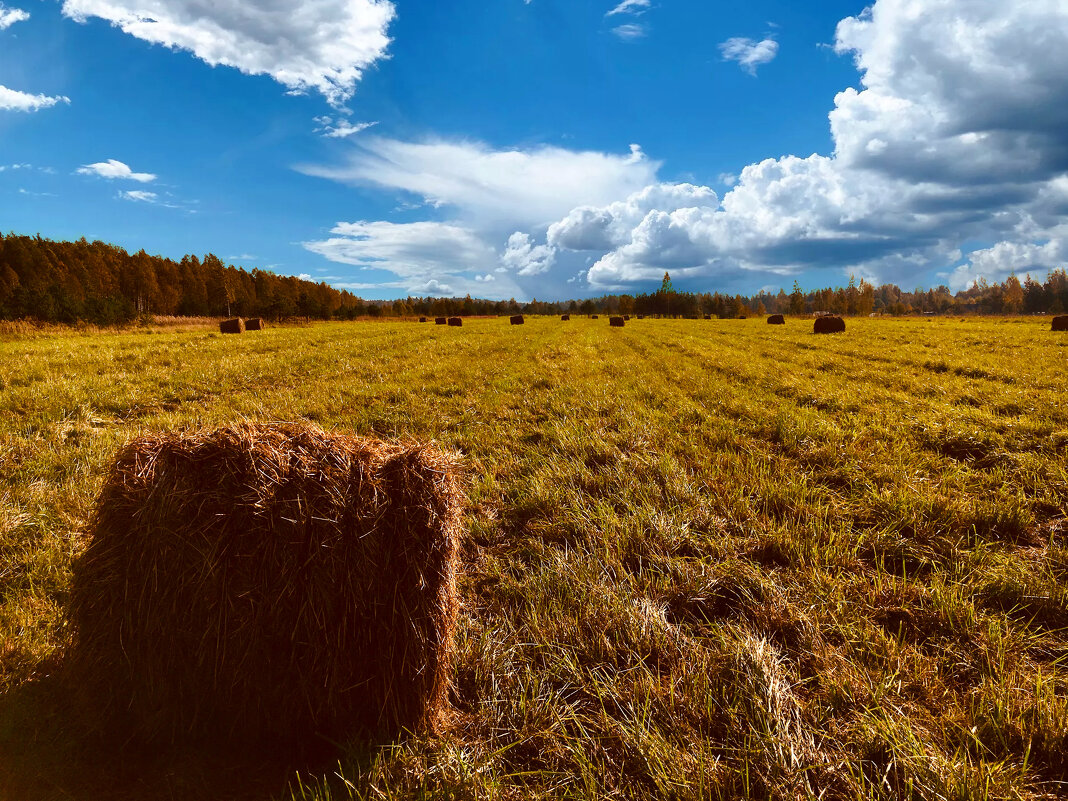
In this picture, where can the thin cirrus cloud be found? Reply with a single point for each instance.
(629, 32)
(9, 16)
(635, 7)
(749, 53)
(114, 169)
(340, 128)
(320, 45)
(13, 100)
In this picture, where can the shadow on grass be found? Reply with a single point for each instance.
(51, 752)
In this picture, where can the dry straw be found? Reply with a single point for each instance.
(269, 584)
(828, 325)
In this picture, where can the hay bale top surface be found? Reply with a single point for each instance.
(269, 583)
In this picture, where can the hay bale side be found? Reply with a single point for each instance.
(828, 325)
(422, 319)
(456, 321)
(565, 317)
(776, 319)
(269, 584)
(516, 319)
(234, 326)
(439, 321)
(615, 322)
(1060, 323)
(254, 324)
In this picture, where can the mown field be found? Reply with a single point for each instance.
(703, 559)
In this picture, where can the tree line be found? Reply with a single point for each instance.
(68, 282)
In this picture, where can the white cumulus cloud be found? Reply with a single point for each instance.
(321, 45)
(112, 168)
(13, 100)
(9, 16)
(749, 53)
(526, 258)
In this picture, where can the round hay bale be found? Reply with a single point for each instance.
(565, 317)
(593, 316)
(776, 319)
(233, 326)
(254, 324)
(828, 325)
(440, 321)
(741, 316)
(422, 319)
(516, 319)
(615, 322)
(626, 317)
(456, 321)
(1060, 323)
(269, 585)
(641, 316)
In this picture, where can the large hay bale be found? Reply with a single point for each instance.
(1060, 323)
(254, 324)
(776, 319)
(440, 321)
(828, 325)
(565, 317)
(456, 321)
(269, 584)
(516, 319)
(615, 322)
(234, 326)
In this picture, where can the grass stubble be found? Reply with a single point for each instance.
(703, 559)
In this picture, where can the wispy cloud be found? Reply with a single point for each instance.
(635, 7)
(749, 53)
(112, 168)
(339, 129)
(629, 32)
(13, 100)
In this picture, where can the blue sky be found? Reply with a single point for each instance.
(549, 148)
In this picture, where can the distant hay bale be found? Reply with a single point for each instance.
(615, 322)
(234, 326)
(708, 316)
(516, 319)
(254, 324)
(456, 321)
(776, 319)
(422, 319)
(1060, 323)
(439, 321)
(741, 316)
(626, 317)
(828, 325)
(565, 317)
(593, 316)
(269, 585)
(641, 316)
